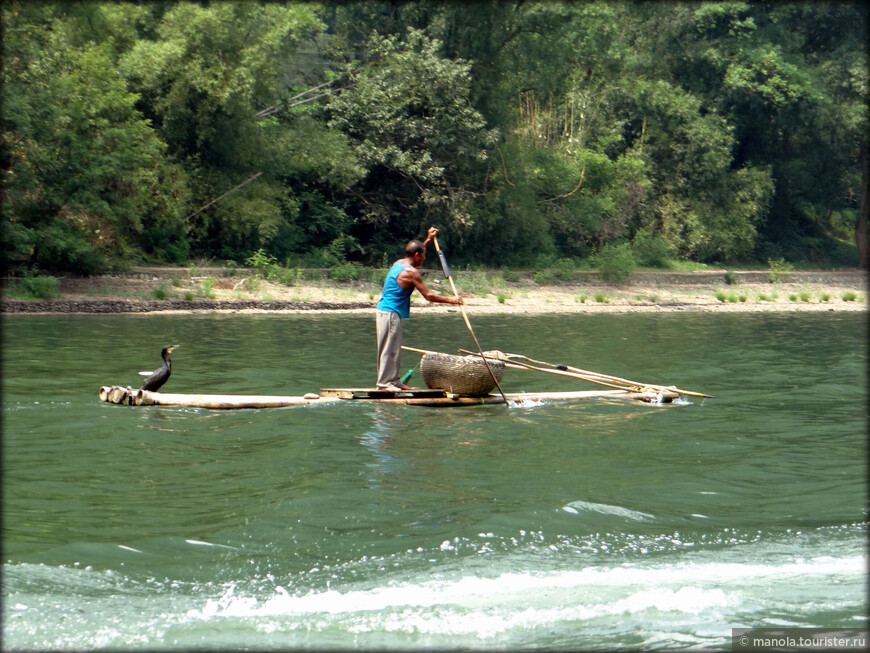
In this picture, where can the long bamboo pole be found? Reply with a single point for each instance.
(593, 377)
(608, 382)
(520, 366)
(611, 378)
(447, 274)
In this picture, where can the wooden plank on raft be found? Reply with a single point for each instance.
(380, 393)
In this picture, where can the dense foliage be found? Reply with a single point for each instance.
(526, 131)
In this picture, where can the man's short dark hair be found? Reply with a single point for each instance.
(414, 247)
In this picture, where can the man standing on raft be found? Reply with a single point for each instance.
(395, 305)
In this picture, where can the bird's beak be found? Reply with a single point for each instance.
(171, 347)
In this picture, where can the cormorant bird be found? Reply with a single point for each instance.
(159, 376)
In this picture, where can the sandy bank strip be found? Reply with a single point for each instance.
(472, 307)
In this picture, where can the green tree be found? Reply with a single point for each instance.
(527, 129)
(790, 80)
(408, 115)
(544, 73)
(204, 75)
(831, 38)
(83, 170)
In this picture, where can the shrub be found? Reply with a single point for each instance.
(502, 297)
(40, 287)
(730, 277)
(159, 293)
(265, 265)
(721, 296)
(496, 280)
(601, 298)
(378, 276)
(543, 277)
(650, 251)
(289, 276)
(346, 271)
(805, 296)
(778, 269)
(582, 296)
(207, 288)
(312, 275)
(564, 269)
(848, 296)
(62, 248)
(544, 261)
(473, 281)
(615, 262)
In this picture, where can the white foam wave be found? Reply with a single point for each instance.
(521, 598)
(529, 403)
(201, 543)
(462, 608)
(575, 507)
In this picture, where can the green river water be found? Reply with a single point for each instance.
(573, 525)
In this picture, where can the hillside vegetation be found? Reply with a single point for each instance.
(533, 134)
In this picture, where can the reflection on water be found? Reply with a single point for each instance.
(386, 425)
(595, 523)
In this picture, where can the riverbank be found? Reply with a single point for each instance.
(176, 290)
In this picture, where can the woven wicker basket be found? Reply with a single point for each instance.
(462, 375)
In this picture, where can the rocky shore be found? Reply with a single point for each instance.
(62, 305)
(136, 291)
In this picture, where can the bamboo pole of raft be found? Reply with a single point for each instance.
(465, 317)
(618, 384)
(591, 377)
(605, 377)
(127, 396)
(521, 366)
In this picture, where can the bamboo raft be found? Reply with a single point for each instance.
(452, 380)
(127, 396)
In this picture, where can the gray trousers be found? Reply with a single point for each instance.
(389, 347)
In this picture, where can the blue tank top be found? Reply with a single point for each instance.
(395, 298)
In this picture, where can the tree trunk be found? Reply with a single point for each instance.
(863, 210)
